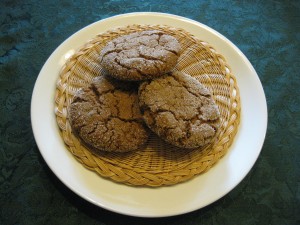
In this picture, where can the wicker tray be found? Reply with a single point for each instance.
(159, 163)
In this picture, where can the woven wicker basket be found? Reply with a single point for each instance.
(159, 163)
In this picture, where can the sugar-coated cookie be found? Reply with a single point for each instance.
(140, 55)
(106, 116)
(179, 109)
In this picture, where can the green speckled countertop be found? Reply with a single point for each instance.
(267, 32)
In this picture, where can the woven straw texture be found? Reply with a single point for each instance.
(159, 163)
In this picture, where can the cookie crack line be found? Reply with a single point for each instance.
(110, 137)
(153, 59)
(169, 50)
(154, 48)
(175, 53)
(95, 90)
(123, 119)
(187, 89)
(129, 68)
(102, 56)
(170, 111)
(95, 126)
(97, 94)
(148, 57)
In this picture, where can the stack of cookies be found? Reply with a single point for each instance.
(142, 93)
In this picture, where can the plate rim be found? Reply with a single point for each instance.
(141, 14)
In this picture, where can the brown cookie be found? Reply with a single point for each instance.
(106, 116)
(141, 55)
(179, 109)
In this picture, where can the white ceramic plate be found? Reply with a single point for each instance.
(141, 201)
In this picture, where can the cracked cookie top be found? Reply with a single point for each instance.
(106, 116)
(141, 55)
(179, 109)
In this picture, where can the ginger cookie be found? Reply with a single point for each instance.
(179, 109)
(140, 55)
(106, 116)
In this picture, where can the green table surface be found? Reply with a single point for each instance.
(267, 32)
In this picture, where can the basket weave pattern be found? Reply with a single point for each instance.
(158, 163)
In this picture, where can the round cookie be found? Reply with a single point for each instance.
(141, 55)
(179, 109)
(106, 116)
